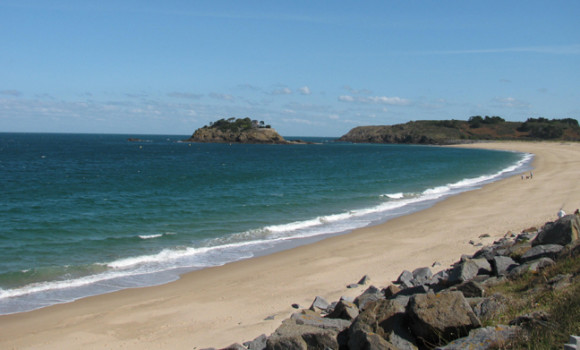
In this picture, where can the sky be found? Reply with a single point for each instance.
(307, 68)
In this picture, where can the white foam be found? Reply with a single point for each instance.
(398, 195)
(151, 236)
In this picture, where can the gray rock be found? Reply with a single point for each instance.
(257, 344)
(542, 251)
(364, 280)
(502, 265)
(443, 316)
(320, 304)
(464, 271)
(366, 340)
(440, 277)
(484, 267)
(353, 285)
(561, 232)
(292, 336)
(421, 276)
(344, 310)
(483, 338)
(311, 318)
(491, 306)
(385, 318)
(405, 279)
(560, 281)
(532, 266)
(391, 290)
(371, 294)
(536, 318)
(470, 289)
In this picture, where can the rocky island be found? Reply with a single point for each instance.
(477, 128)
(238, 130)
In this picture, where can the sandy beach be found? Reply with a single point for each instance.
(237, 302)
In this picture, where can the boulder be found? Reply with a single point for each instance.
(483, 338)
(470, 289)
(562, 231)
(464, 271)
(345, 310)
(405, 279)
(502, 265)
(421, 276)
(311, 318)
(440, 318)
(371, 294)
(385, 318)
(320, 304)
(258, 343)
(542, 251)
(491, 306)
(391, 290)
(293, 336)
(532, 266)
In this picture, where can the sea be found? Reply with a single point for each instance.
(87, 214)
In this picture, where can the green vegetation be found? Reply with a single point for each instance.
(476, 128)
(532, 292)
(236, 124)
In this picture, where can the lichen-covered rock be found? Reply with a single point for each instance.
(440, 318)
(542, 251)
(385, 318)
(483, 338)
(293, 336)
(470, 289)
(259, 343)
(491, 306)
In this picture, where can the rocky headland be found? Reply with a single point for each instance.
(476, 129)
(520, 287)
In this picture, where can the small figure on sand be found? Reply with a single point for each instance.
(561, 213)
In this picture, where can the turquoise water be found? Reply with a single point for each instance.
(88, 214)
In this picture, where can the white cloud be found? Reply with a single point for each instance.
(305, 90)
(346, 98)
(333, 117)
(282, 91)
(395, 101)
(510, 102)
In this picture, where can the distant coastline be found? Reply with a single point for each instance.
(476, 129)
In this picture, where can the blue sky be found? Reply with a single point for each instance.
(308, 68)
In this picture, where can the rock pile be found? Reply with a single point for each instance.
(422, 310)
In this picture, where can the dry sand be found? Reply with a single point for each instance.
(222, 305)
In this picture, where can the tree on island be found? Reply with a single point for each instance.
(236, 125)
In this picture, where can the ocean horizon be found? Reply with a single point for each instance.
(88, 214)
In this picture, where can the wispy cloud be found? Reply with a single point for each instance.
(14, 93)
(186, 95)
(223, 97)
(510, 102)
(281, 91)
(395, 101)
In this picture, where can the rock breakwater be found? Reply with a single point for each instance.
(445, 310)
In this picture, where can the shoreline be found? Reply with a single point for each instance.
(221, 305)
